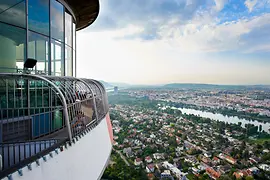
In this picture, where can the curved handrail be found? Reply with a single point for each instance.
(64, 88)
(58, 91)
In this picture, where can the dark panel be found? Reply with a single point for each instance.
(86, 11)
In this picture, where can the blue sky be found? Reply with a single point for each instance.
(189, 41)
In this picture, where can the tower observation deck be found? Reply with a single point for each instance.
(52, 124)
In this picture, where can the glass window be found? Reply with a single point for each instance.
(38, 49)
(13, 12)
(57, 20)
(68, 29)
(12, 48)
(68, 61)
(57, 55)
(38, 16)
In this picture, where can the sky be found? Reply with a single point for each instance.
(177, 41)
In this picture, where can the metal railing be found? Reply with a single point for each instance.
(14, 153)
(35, 110)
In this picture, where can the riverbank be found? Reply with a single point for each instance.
(225, 112)
(220, 117)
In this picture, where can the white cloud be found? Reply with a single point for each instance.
(250, 4)
(181, 55)
(185, 50)
(212, 37)
(220, 4)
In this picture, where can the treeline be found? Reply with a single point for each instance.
(118, 170)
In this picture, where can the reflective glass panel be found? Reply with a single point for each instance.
(68, 29)
(12, 48)
(38, 49)
(57, 55)
(13, 12)
(38, 16)
(57, 20)
(68, 61)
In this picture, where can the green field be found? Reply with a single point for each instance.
(259, 141)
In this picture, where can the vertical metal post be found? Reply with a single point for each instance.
(65, 110)
(94, 99)
(49, 43)
(64, 48)
(27, 31)
(101, 94)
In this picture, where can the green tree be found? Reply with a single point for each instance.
(239, 123)
(170, 160)
(246, 154)
(260, 128)
(249, 178)
(224, 177)
(266, 144)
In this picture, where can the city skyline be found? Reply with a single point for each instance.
(181, 41)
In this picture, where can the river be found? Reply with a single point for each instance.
(229, 119)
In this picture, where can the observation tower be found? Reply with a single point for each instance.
(53, 125)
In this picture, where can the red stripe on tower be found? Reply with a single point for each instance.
(109, 125)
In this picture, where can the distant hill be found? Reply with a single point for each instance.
(190, 86)
(107, 85)
(119, 84)
(213, 86)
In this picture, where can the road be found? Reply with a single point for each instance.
(122, 156)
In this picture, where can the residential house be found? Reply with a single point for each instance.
(191, 159)
(179, 149)
(216, 160)
(138, 162)
(254, 160)
(195, 171)
(166, 174)
(128, 152)
(158, 156)
(264, 167)
(224, 169)
(241, 173)
(178, 139)
(150, 168)
(207, 154)
(150, 176)
(238, 175)
(148, 159)
(212, 173)
(230, 159)
(167, 165)
(177, 172)
(253, 170)
(206, 160)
